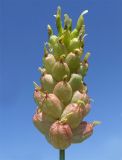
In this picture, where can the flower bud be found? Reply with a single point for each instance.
(47, 82)
(73, 114)
(73, 61)
(52, 106)
(53, 39)
(75, 81)
(60, 135)
(80, 21)
(42, 122)
(83, 69)
(84, 65)
(58, 50)
(74, 44)
(80, 96)
(63, 91)
(38, 97)
(48, 62)
(60, 69)
(67, 22)
(50, 31)
(82, 132)
(58, 21)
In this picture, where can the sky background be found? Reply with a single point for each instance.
(23, 31)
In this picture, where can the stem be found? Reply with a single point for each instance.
(62, 154)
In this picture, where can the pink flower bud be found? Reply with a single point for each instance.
(38, 97)
(82, 132)
(87, 109)
(60, 135)
(42, 122)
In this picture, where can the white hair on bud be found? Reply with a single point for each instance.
(85, 35)
(84, 12)
(54, 15)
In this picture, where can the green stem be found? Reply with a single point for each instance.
(62, 154)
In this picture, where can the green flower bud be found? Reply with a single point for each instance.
(63, 91)
(73, 114)
(59, 70)
(75, 81)
(74, 44)
(52, 106)
(82, 30)
(50, 31)
(86, 57)
(47, 82)
(58, 50)
(53, 39)
(67, 22)
(83, 69)
(80, 96)
(58, 21)
(80, 21)
(73, 61)
(49, 62)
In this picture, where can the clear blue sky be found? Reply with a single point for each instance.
(22, 35)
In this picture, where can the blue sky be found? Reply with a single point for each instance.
(22, 35)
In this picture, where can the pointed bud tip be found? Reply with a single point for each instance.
(87, 56)
(84, 12)
(80, 102)
(36, 86)
(95, 123)
(58, 9)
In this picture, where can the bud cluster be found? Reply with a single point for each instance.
(62, 98)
